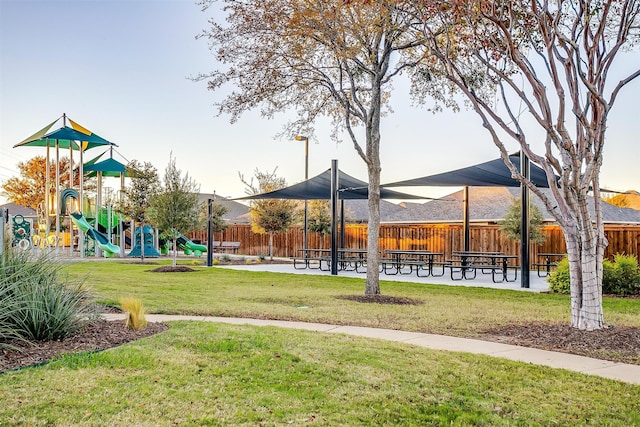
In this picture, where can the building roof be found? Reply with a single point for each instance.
(358, 210)
(486, 204)
(631, 199)
(237, 213)
(491, 204)
(19, 210)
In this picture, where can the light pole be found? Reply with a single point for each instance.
(210, 230)
(305, 241)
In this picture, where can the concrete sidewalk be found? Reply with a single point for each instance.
(586, 365)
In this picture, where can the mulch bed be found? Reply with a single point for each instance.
(381, 299)
(620, 344)
(100, 335)
(171, 269)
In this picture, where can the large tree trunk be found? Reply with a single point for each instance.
(585, 248)
(373, 260)
(373, 169)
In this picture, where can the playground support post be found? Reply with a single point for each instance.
(4, 217)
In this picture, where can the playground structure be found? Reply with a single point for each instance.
(184, 244)
(22, 229)
(144, 240)
(101, 239)
(100, 226)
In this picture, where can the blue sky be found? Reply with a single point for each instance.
(121, 68)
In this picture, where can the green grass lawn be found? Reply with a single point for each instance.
(449, 310)
(200, 373)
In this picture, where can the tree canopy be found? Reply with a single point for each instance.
(319, 219)
(175, 208)
(29, 189)
(512, 221)
(319, 58)
(550, 64)
(269, 215)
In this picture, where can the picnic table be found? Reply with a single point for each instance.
(348, 259)
(352, 259)
(312, 258)
(465, 264)
(421, 260)
(548, 261)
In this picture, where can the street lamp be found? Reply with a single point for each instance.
(210, 230)
(306, 202)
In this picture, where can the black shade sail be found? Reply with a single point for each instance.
(493, 173)
(319, 188)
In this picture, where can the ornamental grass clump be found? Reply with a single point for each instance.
(135, 313)
(37, 303)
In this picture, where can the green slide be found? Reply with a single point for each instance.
(101, 239)
(189, 246)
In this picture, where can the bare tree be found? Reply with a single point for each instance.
(320, 58)
(550, 63)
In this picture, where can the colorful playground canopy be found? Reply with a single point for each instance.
(108, 167)
(64, 137)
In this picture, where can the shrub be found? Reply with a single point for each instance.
(37, 303)
(620, 277)
(559, 279)
(624, 279)
(135, 313)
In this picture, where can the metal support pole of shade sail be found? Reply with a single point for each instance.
(334, 217)
(524, 223)
(465, 220)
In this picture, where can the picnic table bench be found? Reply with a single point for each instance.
(466, 264)
(228, 246)
(348, 259)
(548, 261)
(419, 261)
(312, 258)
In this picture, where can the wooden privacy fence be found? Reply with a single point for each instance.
(443, 238)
